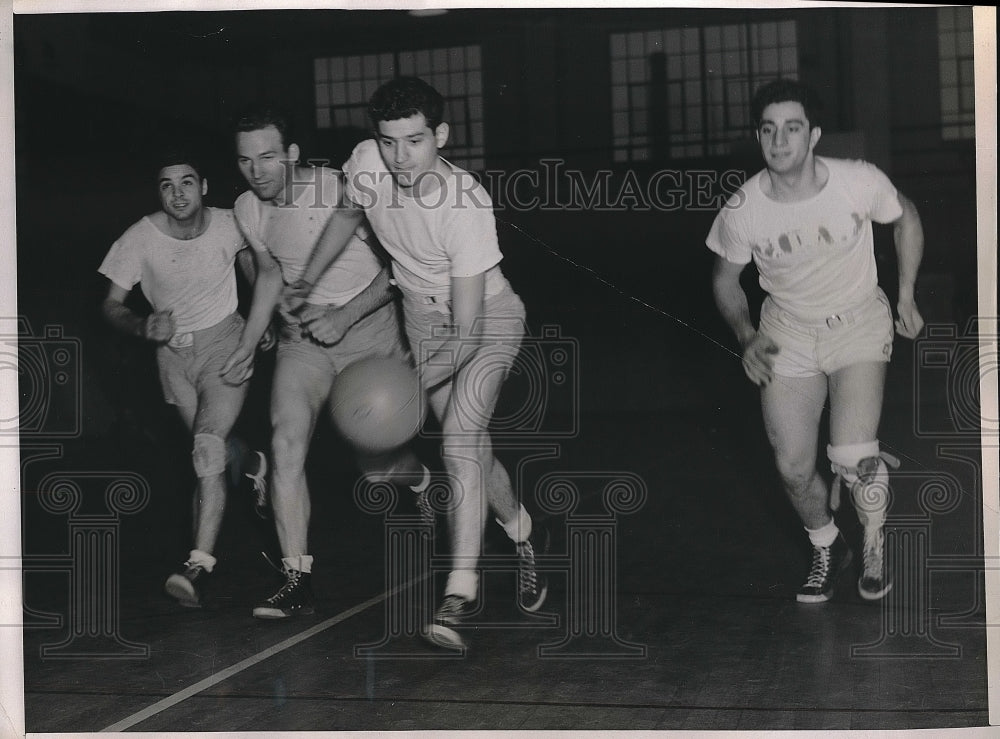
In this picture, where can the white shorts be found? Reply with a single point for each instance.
(807, 348)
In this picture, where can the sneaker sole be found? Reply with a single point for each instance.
(873, 594)
(844, 564)
(813, 598)
(441, 636)
(180, 588)
(273, 614)
(539, 603)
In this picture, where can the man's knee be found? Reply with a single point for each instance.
(209, 455)
(797, 472)
(289, 447)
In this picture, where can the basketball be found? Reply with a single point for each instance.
(377, 404)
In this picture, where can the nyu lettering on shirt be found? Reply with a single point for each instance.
(194, 278)
(816, 257)
(289, 232)
(450, 232)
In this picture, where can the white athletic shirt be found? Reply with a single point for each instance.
(449, 233)
(816, 257)
(194, 278)
(291, 231)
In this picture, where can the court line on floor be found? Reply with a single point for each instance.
(218, 677)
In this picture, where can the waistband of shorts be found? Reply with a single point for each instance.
(845, 317)
(186, 339)
(444, 301)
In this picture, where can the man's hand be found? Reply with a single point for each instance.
(325, 324)
(159, 327)
(239, 367)
(269, 339)
(910, 322)
(758, 359)
(294, 296)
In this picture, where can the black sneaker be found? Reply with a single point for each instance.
(873, 583)
(827, 564)
(453, 610)
(258, 480)
(532, 585)
(294, 598)
(188, 586)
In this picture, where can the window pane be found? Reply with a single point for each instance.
(617, 45)
(619, 98)
(634, 44)
(321, 70)
(407, 63)
(619, 72)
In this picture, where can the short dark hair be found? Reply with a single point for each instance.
(404, 97)
(176, 154)
(785, 90)
(256, 117)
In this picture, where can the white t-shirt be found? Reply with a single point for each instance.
(290, 233)
(449, 233)
(816, 257)
(194, 278)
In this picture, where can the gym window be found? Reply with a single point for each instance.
(956, 59)
(685, 92)
(345, 83)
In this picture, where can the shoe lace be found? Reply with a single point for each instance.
(873, 554)
(259, 481)
(424, 506)
(452, 605)
(820, 569)
(527, 577)
(277, 568)
(290, 586)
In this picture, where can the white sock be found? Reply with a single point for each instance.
(519, 528)
(824, 536)
(206, 560)
(464, 583)
(300, 562)
(424, 482)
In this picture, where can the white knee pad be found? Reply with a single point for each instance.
(209, 455)
(863, 468)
